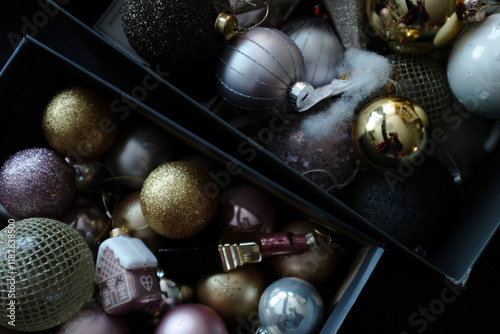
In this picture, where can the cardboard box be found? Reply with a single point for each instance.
(35, 73)
(453, 256)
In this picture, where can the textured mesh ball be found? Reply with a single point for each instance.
(46, 272)
(423, 80)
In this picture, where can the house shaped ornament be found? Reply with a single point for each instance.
(126, 274)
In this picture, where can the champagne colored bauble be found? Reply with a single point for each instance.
(327, 160)
(88, 216)
(234, 294)
(51, 273)
(36, 182)
(389, 130)
(320, 46)
(175, 35)
(291, 305)
(140, 148)
(318, 266)
(409, 26)
(176, 199)
(423, 80)
(261, 72)
(128, 214)
(474, 67)
(246, 207)
(93, 319)
(191, 318)
(78, 123)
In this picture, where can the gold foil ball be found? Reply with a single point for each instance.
(78, 123)
(389, 130)
(177, 201)
(233, 295)
(409, 26)
(46, 273)
(317, 267)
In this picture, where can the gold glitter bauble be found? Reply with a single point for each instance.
(78, 123)
(388, 130)
(176, 199)
(46, 273)
(233, 295)
(409, 26)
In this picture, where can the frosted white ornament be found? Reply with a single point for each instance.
(474, 67)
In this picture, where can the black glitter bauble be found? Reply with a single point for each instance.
(413, 205)
(175, 34)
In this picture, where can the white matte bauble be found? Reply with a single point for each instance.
(320, 46)
(474, 67)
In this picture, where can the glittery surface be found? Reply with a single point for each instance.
(78, 123)
(54, 273)
(349, 19)
(176, 201)
(176, 34)
(36, 182)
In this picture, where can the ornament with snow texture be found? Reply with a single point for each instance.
(261, 72)
(320, 46)
(474, 67)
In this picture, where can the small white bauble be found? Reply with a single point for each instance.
(474, 67)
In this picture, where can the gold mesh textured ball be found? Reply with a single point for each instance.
(46, 273)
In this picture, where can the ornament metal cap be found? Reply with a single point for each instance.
(226, 25)
(301, 94)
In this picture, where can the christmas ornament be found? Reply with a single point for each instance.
(413, 204)
(327, 160)
(409, 26)
(128, 215)
(88, 217)
(233, 295)
(235, 249)
(140, 148)
(390, 130)
(36, 182)
(176, 35)
(47, 271)
(316, 267)
(474, 67)
(246, 207)
(175, 200)
(191, 318)
(320, 47)
(79, 124)
(349, 20)
(126, 274)
(261, 72)
(290, 305)
(89, 175)
(92, 319)
(423, 80)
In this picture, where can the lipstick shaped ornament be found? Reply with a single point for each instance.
(235, 248)
(126, 274)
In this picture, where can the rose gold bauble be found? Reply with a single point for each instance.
(92, 319)
(317, 267)
(234, 294)
(128, 214)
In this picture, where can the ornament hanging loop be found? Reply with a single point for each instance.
(227, 24)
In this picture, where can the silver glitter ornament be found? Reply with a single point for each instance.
(320, 46)
(290, 305)
(261, 72)
(349, 19)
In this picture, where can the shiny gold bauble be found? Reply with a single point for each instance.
(46, 275)
(176, 199)
(233, 295)
(389, 130)
(409, 26)
(78, 123)
(128, 214)
(317, 267)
